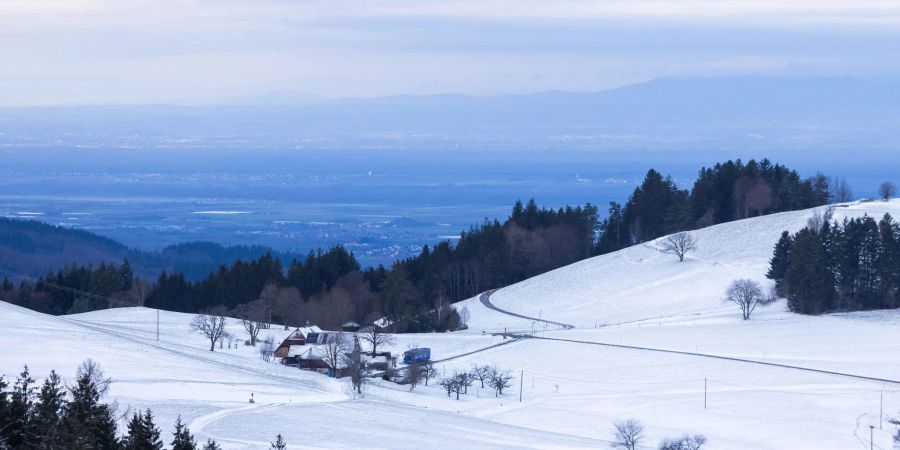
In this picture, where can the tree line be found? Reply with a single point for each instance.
(727, 191)
(330, 288)
(829, 265)
(54, 416)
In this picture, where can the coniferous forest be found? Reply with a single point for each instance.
(849, 265)
(57, 416)
(329, 287)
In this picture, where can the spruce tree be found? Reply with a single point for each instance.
(808, 277)
(4, 412)
(279, 443)
(183, 440)
(211, 445)
(127, 274)
(889, 261)
(20, 429)
(142, 433)
(87, 423)
(780, 262)
(48, 410)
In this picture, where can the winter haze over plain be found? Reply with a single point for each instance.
(492, 224)
(198, 52)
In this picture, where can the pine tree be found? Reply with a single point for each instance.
(889, 261)
(5, 418)
(211, 445)
(48, 410)
(87, 423)
(20, 430)
(127, 274)
(183, 440)
(279, 443)
(808, 277)
(780, 262)
(142, 433)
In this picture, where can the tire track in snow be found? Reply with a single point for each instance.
(711, 356)
(198, 425)
(486, 300)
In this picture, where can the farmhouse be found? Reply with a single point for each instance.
(305, 349)
(298, 338)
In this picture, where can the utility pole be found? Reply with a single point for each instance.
(157, 324)
(871, 441)
(521, 377)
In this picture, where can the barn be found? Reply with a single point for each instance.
(297, 338)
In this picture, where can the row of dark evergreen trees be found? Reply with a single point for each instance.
(115, 282)
(839, 266)
(414, 293)
(329, 287)
(727, 191)
(56, 417)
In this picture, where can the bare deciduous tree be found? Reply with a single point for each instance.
(458, 383)
(464, 316)
(267, 299)
(414, 373)
(628, 434)
(253, 316)
(376, 337)
(686, 442)
(819, 220)
(211, 325)
(748, 295)
(887, 190)
(267, 349)
(428, 371)
(355, 366)
(287, 306)
(449, 384)
(679, 244)
(225, 336)
(483, 373)
(140, 290)
(840, 190)
(500, 381)
(466, 378)
(333, 351)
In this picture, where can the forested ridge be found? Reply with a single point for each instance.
(328, 287)
(32, 247)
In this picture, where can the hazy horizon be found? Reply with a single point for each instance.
(168, 52)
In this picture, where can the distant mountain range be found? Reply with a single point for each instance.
(738, 112)
(31, 248)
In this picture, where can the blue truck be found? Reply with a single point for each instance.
(416, 355)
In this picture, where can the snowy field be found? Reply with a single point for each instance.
(572, 392)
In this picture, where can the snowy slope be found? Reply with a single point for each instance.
(210, 390)
(642, 282)
(573, 390)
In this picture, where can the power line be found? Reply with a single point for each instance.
(111, 301)
(71, 290)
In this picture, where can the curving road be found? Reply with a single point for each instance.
(486, 301)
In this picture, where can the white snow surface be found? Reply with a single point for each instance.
(572, 392)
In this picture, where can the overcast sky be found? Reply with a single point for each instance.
(166, 51)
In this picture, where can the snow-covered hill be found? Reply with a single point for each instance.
(573, 389)
(642, 282)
